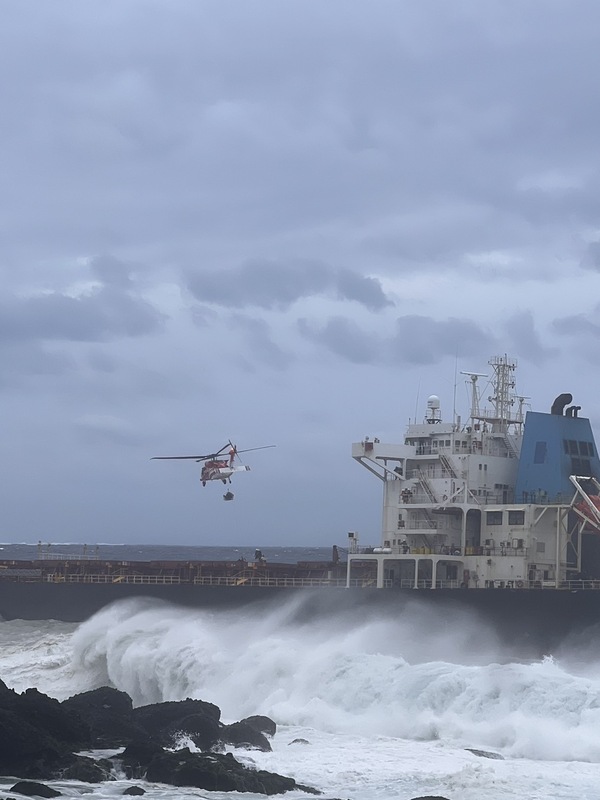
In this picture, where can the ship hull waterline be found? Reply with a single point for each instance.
(541, 618)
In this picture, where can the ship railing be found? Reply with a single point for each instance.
(45, 553)
(432, 474)
(409, 583)
(290, 583)
(114, 579)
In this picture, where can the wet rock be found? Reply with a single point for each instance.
(135, 758)
(87, 770)
(430, 797)
(485, 754)
(261, 724)
(109, 714)
(37, 733)
(134, 790)
(165, 722)
(33, 789)
(59, 721)
(217, 773)
(204, 732)
(298, 741)
(26, 750)
(39, 737)
(241, 734)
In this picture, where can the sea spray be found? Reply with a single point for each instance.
(368, 677)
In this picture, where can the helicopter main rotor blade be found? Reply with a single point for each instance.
(180, 458)
(250, 449)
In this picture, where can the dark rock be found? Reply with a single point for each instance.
(165, 722)
(36, 733)
(216, 773)
(8, 697)
(205, 732)
(109, 714)
(156, 716)
(88, 770)
(242, 734)
(136, 757)
(430, 797)
(261, 724)
(26, 750)
(485, 754)
(48, 714)
(298, 741)
(39, 738)
(134, 790)
(32, 789)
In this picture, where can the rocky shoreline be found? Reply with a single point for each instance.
(43, 739)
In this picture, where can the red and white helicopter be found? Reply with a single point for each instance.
(218, 466)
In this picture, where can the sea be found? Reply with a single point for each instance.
(396, 706)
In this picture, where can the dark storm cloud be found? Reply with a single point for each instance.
(524, 339)
(591, 258)
(274, 285)
(29, 359)
(423, 340)
(418, 340)
(104, 313)
(99, 428)
(581, 325)
(258, 342)
(344, 338)
(395, 139)
(111, 271)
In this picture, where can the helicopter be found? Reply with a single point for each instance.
(218, 466)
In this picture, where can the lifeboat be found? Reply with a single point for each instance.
(589, 509)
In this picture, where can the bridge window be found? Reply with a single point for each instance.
(516, 518)
(494, 517)
(540, 547)
(581, 466)
(539, 456)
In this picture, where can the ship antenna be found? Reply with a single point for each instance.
(417, 399)
(474, 393)
(454, 391)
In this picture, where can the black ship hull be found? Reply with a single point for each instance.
(532, 620)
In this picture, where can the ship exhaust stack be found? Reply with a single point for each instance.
(559, 404)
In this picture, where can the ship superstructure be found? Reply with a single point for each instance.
(503, 501)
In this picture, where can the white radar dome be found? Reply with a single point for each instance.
(433, 401)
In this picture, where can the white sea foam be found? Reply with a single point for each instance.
(370, 677)
(389, 705)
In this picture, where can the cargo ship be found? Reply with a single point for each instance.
(498, 515)
(506, 501)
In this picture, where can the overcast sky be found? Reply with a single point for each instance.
(281, 222)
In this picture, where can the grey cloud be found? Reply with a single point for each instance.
(102, 314)
(111, 271)
(29, 359)
(364, 290)
(423, 340)
(271, 285)
(101, 362)
(525, 340)
(203, 315)
(107, 428)
(417, 340)
(344, 338)
(584, 325)
(591, 258)
(257, 339)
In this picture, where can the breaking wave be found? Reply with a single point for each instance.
(411, 676)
